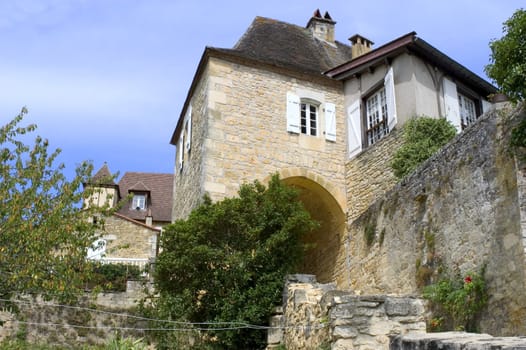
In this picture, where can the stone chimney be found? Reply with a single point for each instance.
(149, 218)
(360, 45)
(322, 27)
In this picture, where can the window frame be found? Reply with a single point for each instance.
(134, 203)
(471, 96)
(306, 127)
(370, 135)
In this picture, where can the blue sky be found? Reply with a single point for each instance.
(105, 80)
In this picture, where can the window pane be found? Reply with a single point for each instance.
(376, 109)
(308, 116)
(467, 110)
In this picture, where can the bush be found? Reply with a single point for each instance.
(227, 262)
(422, 137)
(508, 60)
(113, 277)
(457, 302)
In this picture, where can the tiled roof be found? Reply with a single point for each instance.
(289, 46)
(160, 188)
(103, 177)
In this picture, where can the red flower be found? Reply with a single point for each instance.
(467, 279)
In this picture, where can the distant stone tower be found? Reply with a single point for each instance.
(105, 190)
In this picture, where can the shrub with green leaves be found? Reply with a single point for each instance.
(422, 137)
(227, 262)
(457, 302)
(508, 57)
(112, 277)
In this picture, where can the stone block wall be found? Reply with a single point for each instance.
(247, 131)
(126, 239)
(91, 321)
(188, 181)
(239, 133)
(458, 212)
(319, 316)
(369, 175)
(456, 340)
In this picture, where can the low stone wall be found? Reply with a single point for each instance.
(90, 321)
(366, 322)
(317, 316)
(455, 341)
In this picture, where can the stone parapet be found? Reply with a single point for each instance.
(456, 340)
(317, 315)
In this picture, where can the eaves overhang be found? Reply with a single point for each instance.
(412, 44)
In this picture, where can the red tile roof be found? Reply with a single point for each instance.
(160, 192)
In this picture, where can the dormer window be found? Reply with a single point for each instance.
(139, 201)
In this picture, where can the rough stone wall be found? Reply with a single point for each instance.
(369, 175)
(89, 322)
(456, 340)
(188, 182)
(247, 137)
(128, 240)
(458, 212)
(318, 316)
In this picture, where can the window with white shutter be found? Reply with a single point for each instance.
(188, 129)
(390, 99)
(330, 121)
(180, 152)
(451, 103)
(293, 113)
(354, 129)
(380, 110)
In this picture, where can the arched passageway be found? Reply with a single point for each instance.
(324, 242)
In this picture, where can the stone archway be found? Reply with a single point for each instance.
(323, 205)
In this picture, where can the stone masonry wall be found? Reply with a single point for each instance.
(318, 316)
(458, 212)
(88, 322)
(128, 240)
(455, 341)
(188, 182)
(247, 137)
(369, 175)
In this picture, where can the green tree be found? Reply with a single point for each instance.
(507, 65)
(44, 231)
(227, 262)
(422, 137)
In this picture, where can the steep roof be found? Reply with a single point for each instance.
(160, 189)
(103, 177)
(412, 43)
(290, 46)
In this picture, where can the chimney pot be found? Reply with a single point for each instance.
(322, 27)
(360, 45)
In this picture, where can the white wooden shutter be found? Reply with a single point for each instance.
(486, 106)
(293, 113)
(451, 104)
(180, 151)
(330, 121)
(354, 129)
(188, 128)
(390, 99)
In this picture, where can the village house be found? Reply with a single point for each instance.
(144, 203)
(293, 100)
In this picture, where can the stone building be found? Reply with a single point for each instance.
(131, 233)
(293, 100)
